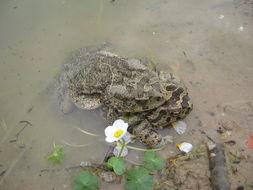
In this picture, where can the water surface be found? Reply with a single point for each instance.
(207, 43)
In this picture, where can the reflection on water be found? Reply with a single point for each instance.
(207, 43)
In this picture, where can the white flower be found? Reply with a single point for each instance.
(116, 131)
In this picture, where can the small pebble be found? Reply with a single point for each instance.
(107, 176)
(241, 28)
(211, 146)
(221, 17)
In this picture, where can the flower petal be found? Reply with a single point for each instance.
(118, 123)
(124, 127)
(109, 131)
(110, 139)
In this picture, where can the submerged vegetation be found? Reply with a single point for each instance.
(57, 155)
(117, 165)
(137, 177)
(85, 181)
(153, 162)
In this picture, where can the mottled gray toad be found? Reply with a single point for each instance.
(142, 124)
(128, 88)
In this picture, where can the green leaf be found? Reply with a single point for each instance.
(117, 165)
(57, 156)
(139, 179)
(85, 181)
(153, 162)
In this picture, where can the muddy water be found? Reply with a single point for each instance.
(208, 44)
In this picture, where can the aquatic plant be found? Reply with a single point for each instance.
(57, 155)
(117, 165)
(139, 179)
(86, 181)
(153, 162)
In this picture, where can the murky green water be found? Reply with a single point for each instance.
(208, 44)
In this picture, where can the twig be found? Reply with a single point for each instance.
(204, 133)
(2, 173)
(89, 165)
(108, 154)
(27, 123)
(182, 157)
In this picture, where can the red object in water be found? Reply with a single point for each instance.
(250, 141)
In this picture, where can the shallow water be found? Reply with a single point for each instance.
(208, 44)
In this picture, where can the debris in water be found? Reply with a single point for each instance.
(219, 176)
(30, 109)
(211, 145)
(231, 142)
(26, 123)
(107, 176)
(221, 17)
(86, 132)
(235, 158)
(250, 141)
(180, 127)
(185, 147)
(204, 133)
(225, 135)
(85, 164)
(74, 145)
(2, 173)
(241, 28)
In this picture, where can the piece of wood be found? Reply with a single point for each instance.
(218, 168)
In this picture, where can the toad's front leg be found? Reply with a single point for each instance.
(144, 132)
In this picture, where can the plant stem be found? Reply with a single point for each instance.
(122, 148)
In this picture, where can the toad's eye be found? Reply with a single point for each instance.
(171, 87)
(158, 99)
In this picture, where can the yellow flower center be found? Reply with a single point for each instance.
(118, 133)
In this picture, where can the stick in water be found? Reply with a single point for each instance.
(218, 169)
